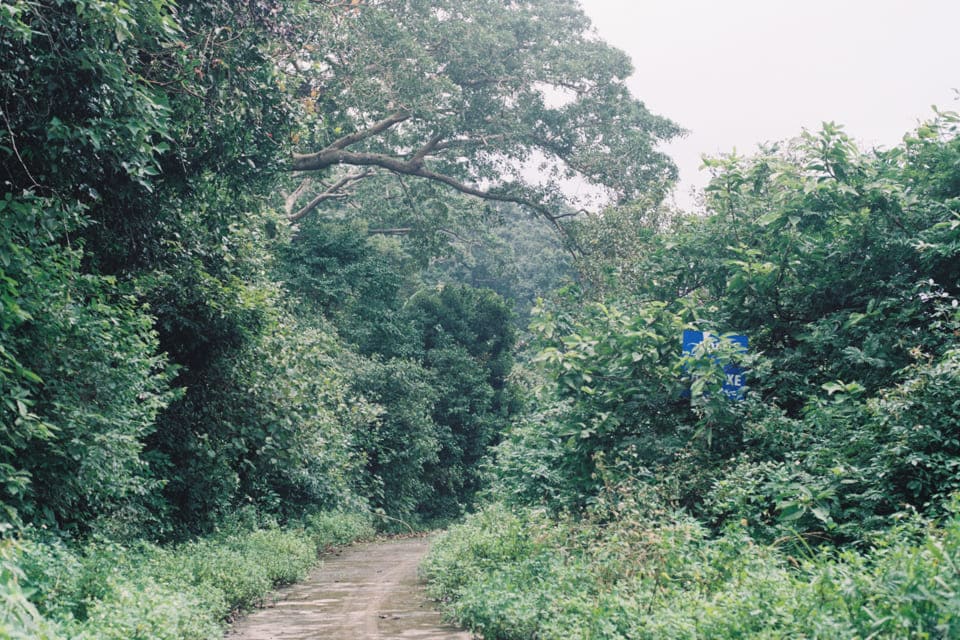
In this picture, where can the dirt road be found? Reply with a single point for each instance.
(366, 592)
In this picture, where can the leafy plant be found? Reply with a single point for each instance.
(662, 576)
(19, 618)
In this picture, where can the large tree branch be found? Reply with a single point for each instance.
(426, 150)
(337, 153)
(344, 142)
(330, 157)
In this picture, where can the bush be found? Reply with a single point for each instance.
(55, 573)
(212, 566)
(140, 608)
(108, 591)
(19, 618)
(648, 575)
(285, 556)
(338, 528)
(481, 569)
(86, 393)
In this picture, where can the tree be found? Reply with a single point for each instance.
(467, 340)
(404, 441)
(510, 255)
(475, 95)
(141, 144)
(81, 380)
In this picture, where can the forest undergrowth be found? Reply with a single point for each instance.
(629, 570)
(107, 590)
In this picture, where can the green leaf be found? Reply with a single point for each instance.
(833, 387)
(822, 514)
(769, 218)
(790, 512)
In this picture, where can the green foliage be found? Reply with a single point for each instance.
(437, 367)
(404, 439)
(337, 270)
(617, 401)
(106, 590)
(917, 425)
(644, 574)
(466, 339)
(124, 155)
(826, 498)
(330, 529)
(175, 357)
(146, 610)
(162, 358)
(19, 618)
(81, 381)
(531, 461)
(77, 115)
(274, 425)
(92, 466)
(80, 407)
(511, 254)
(849, 464)
(817, 252)
(466, 93)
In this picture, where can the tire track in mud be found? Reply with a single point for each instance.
(365, 592)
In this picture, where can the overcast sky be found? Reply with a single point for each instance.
(740, 72)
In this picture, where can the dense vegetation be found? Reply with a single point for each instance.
(638, 500)
(264, 271)
(190, 326)
(145, 592)
(232, 256)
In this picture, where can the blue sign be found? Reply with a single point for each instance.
(734, 376)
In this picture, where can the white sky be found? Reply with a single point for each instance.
(740, 72)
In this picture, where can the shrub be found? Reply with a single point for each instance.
(328, 529)
(140, 608)
(108, 591)
(19, 618)
(521, 575)
(54, 573)
(285, 556)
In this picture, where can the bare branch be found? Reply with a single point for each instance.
(325, 159)
(397, 231)
(332, 192)
(16, 151)
(291, 200)
(426, 150)
(337, 153)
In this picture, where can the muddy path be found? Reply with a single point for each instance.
(365, 592)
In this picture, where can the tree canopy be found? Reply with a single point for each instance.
(499, 100)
